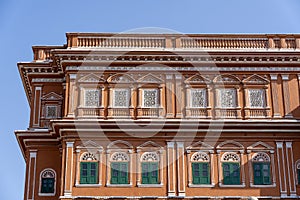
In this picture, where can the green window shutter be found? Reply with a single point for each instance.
(235, 172)
(266, 173)
(154, 173)
(88, 173)
(47, 185)
(201, 173)
(115, 168)
(119, 173)
(231, 173)
(298, 170)
(83, 173)
(261, 173)
(149, 173)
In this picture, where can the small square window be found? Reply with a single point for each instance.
(51, 112)
(92, 98)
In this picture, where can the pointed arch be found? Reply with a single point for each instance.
(260, 146)
(226, 79)
(91, 78)
(197, 79)
(150, 78)
(52, 96)
(256, 80)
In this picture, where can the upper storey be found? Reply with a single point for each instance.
(164, 76)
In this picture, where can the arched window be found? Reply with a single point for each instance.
(200, 168)
(47, 182)
(231, 168)
(150, 168)
(119, 168)
(88, 169)
(298, 171)
(261, 169)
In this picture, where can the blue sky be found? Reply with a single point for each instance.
(24, 23)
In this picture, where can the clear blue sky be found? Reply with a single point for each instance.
(24, 23)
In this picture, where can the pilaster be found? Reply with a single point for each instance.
(286, 96)
(71, 100)
(171, 169)
(180, 169)
(31, 175)
(275, 96)
(69, 169)
(179, 96)
(281, 169)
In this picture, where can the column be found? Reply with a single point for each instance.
(210, 101)
(108, 168)
(180, 169)
(130, 167)
(249, 160)
(299, 86)
(77, 167)
(31, 173)
(169, 96)
(71, 99)
(105, 99)
(281, 169)
(179, 96)
(290, 169)
(243, 168)
(134, 100)
(161, 162)
(273, 167)
(36, 106)
(69, 169)
(212, 160)
(286, 96)
(189, 166)
(171, 169)
(275, 96)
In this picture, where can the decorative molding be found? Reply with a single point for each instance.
(185, 68)
(47, 80)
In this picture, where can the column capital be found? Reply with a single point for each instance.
(73, 76)
(285, 77)
(274, 77)
(279, 144)
(170, 144)
(70, 144)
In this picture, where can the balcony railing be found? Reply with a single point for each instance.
(253, 113)
(198, 113)
(228, 113)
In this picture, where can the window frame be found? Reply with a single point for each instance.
(99, 103)
(128, 95)
(231, 180)
(261, 171)
(157, 102)
(89, 173)
(41, 182)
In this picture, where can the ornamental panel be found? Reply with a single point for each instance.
(88, 157)
(150, 98)
(92, 98)
(230, 157)
(256, 98)
(198, 98)
(227, 98)
(261, 157)
(119, 157)
(150, 157)
(200, 157)
(121, 98)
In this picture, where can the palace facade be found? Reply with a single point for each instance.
(158, 116)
